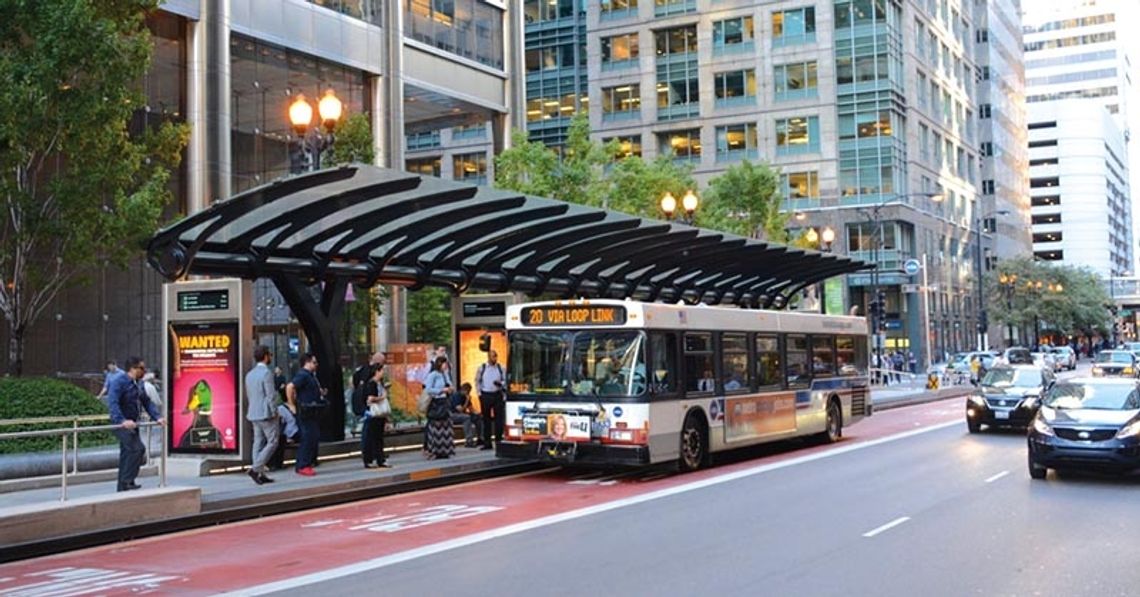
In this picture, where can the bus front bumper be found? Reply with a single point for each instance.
(574, 452)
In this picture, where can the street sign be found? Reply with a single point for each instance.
(911, 288)
(911, 267)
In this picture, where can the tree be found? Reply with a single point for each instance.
(527, 167)
(1022, 292)
(746, 200)
(77, 188)
(636, 186)
(353, 141)
(429, 315)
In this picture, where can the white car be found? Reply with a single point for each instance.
(1066, 356)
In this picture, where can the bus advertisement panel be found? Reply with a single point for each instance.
(749, 417)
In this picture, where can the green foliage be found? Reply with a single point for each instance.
(353, 141)
(1020, 290)
(76, 187)
(745, 200)
(527, 167)
(636, 186)
(429, 315)
(26, 398)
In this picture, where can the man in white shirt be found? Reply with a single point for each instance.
(489, 381)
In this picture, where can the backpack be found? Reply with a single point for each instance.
(359, 400)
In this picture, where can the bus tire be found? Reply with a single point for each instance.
(833, 429)
(694, 449)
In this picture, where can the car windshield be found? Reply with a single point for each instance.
(1020, 378)
(1114, 357)
(1066, 396)
(1133, 346)
(593, 363)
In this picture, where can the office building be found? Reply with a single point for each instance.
(867, 107)
(231, 68)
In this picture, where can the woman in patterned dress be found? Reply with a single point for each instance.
(440, 439)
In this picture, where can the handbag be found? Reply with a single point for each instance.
(423, 401)
(380, 409)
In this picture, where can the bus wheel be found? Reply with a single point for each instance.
(834, 429)
(694, 445)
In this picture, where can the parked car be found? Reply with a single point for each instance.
(960, 363)
(1114, 363)
(1007, 396)
(1045, 359)
(1016, 355)
(1066, 356)
(1087, 424)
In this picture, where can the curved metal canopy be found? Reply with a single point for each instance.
(366, 225)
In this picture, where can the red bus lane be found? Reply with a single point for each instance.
(386, 530)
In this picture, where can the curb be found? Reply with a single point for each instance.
(234, 510)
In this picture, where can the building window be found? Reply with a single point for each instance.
(987, 187)
(1046, 219)
(546, 108)
(1045, 201)
(676, 41)
(423, 166)
(617, 9)
(621, 102)
(736, 142)
(470, 167)
(735, 88)
(682, 145)
(922, 97)
(1043, 143)
(860, 12)
(468, 28)
(865, 124)
(984, 111)
(797, 135)
(1047, 237)
(665, 8)
(1049, 255)
(795, 26)
(550, 58)
(924, 141)
(625, 145)
(800, 185)
(619, 51)
(733, 35)
(537, 11)
(796, 81)
(423, 140)
(678, 90)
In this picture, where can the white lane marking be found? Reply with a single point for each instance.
(530, 525)
(997, 476)
(886, 527)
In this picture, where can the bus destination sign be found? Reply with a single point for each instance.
(573, 315)
(204, 300)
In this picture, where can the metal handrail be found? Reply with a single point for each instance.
(74, 431)
(38, 420)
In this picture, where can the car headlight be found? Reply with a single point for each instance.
(976, 399)
(1130, 430)
(1128, 370)
(1029, 402)
(1040, 426)
(1097, 371)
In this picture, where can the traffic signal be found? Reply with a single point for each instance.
(485, 343)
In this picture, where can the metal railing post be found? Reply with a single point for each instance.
(162, 464)
(75, 444)
(63, 469)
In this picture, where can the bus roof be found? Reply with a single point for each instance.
(611, 314)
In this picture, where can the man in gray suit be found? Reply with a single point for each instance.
(261, 391)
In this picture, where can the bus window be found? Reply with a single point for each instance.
(822, 356)
(798, 371)
(846, 361)
(604, 363)
(734, 362)
(535, 362)
(768, 361)
(699, 363)
(663, 363)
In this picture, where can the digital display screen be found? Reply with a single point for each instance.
(573, 316)
(204, 300)
(492, 309)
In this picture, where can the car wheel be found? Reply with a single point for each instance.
(973, 426)
(1036, 471)
(694, 445)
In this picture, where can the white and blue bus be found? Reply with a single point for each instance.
(624, 382)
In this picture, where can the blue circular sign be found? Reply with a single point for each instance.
(911, 267)
(617, 411)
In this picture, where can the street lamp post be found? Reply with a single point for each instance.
(983, 320)
(689, 203)
(330, 109)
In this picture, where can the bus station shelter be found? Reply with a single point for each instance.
(314, 234)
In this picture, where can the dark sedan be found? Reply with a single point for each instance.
(1007, 397)
(1090, 424)
(1114, 363)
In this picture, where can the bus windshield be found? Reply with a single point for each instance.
(580, 364)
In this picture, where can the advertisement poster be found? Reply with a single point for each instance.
(203, 400)
(406, 367)
(756, 416)
(470, 357)
(833, 297)
(557, 426)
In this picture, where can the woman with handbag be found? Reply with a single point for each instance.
(439, 440)
(375, 419)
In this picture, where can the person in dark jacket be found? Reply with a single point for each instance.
(126, 401)
(305, 396)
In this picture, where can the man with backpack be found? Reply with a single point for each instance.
(489, 380)
(360, 377)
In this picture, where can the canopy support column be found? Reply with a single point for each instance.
(321, 321)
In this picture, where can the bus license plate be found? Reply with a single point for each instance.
(1001, 414)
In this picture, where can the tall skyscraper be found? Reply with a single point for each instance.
(867, 107)
(1083, 51)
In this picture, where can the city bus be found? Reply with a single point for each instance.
(603, 382)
